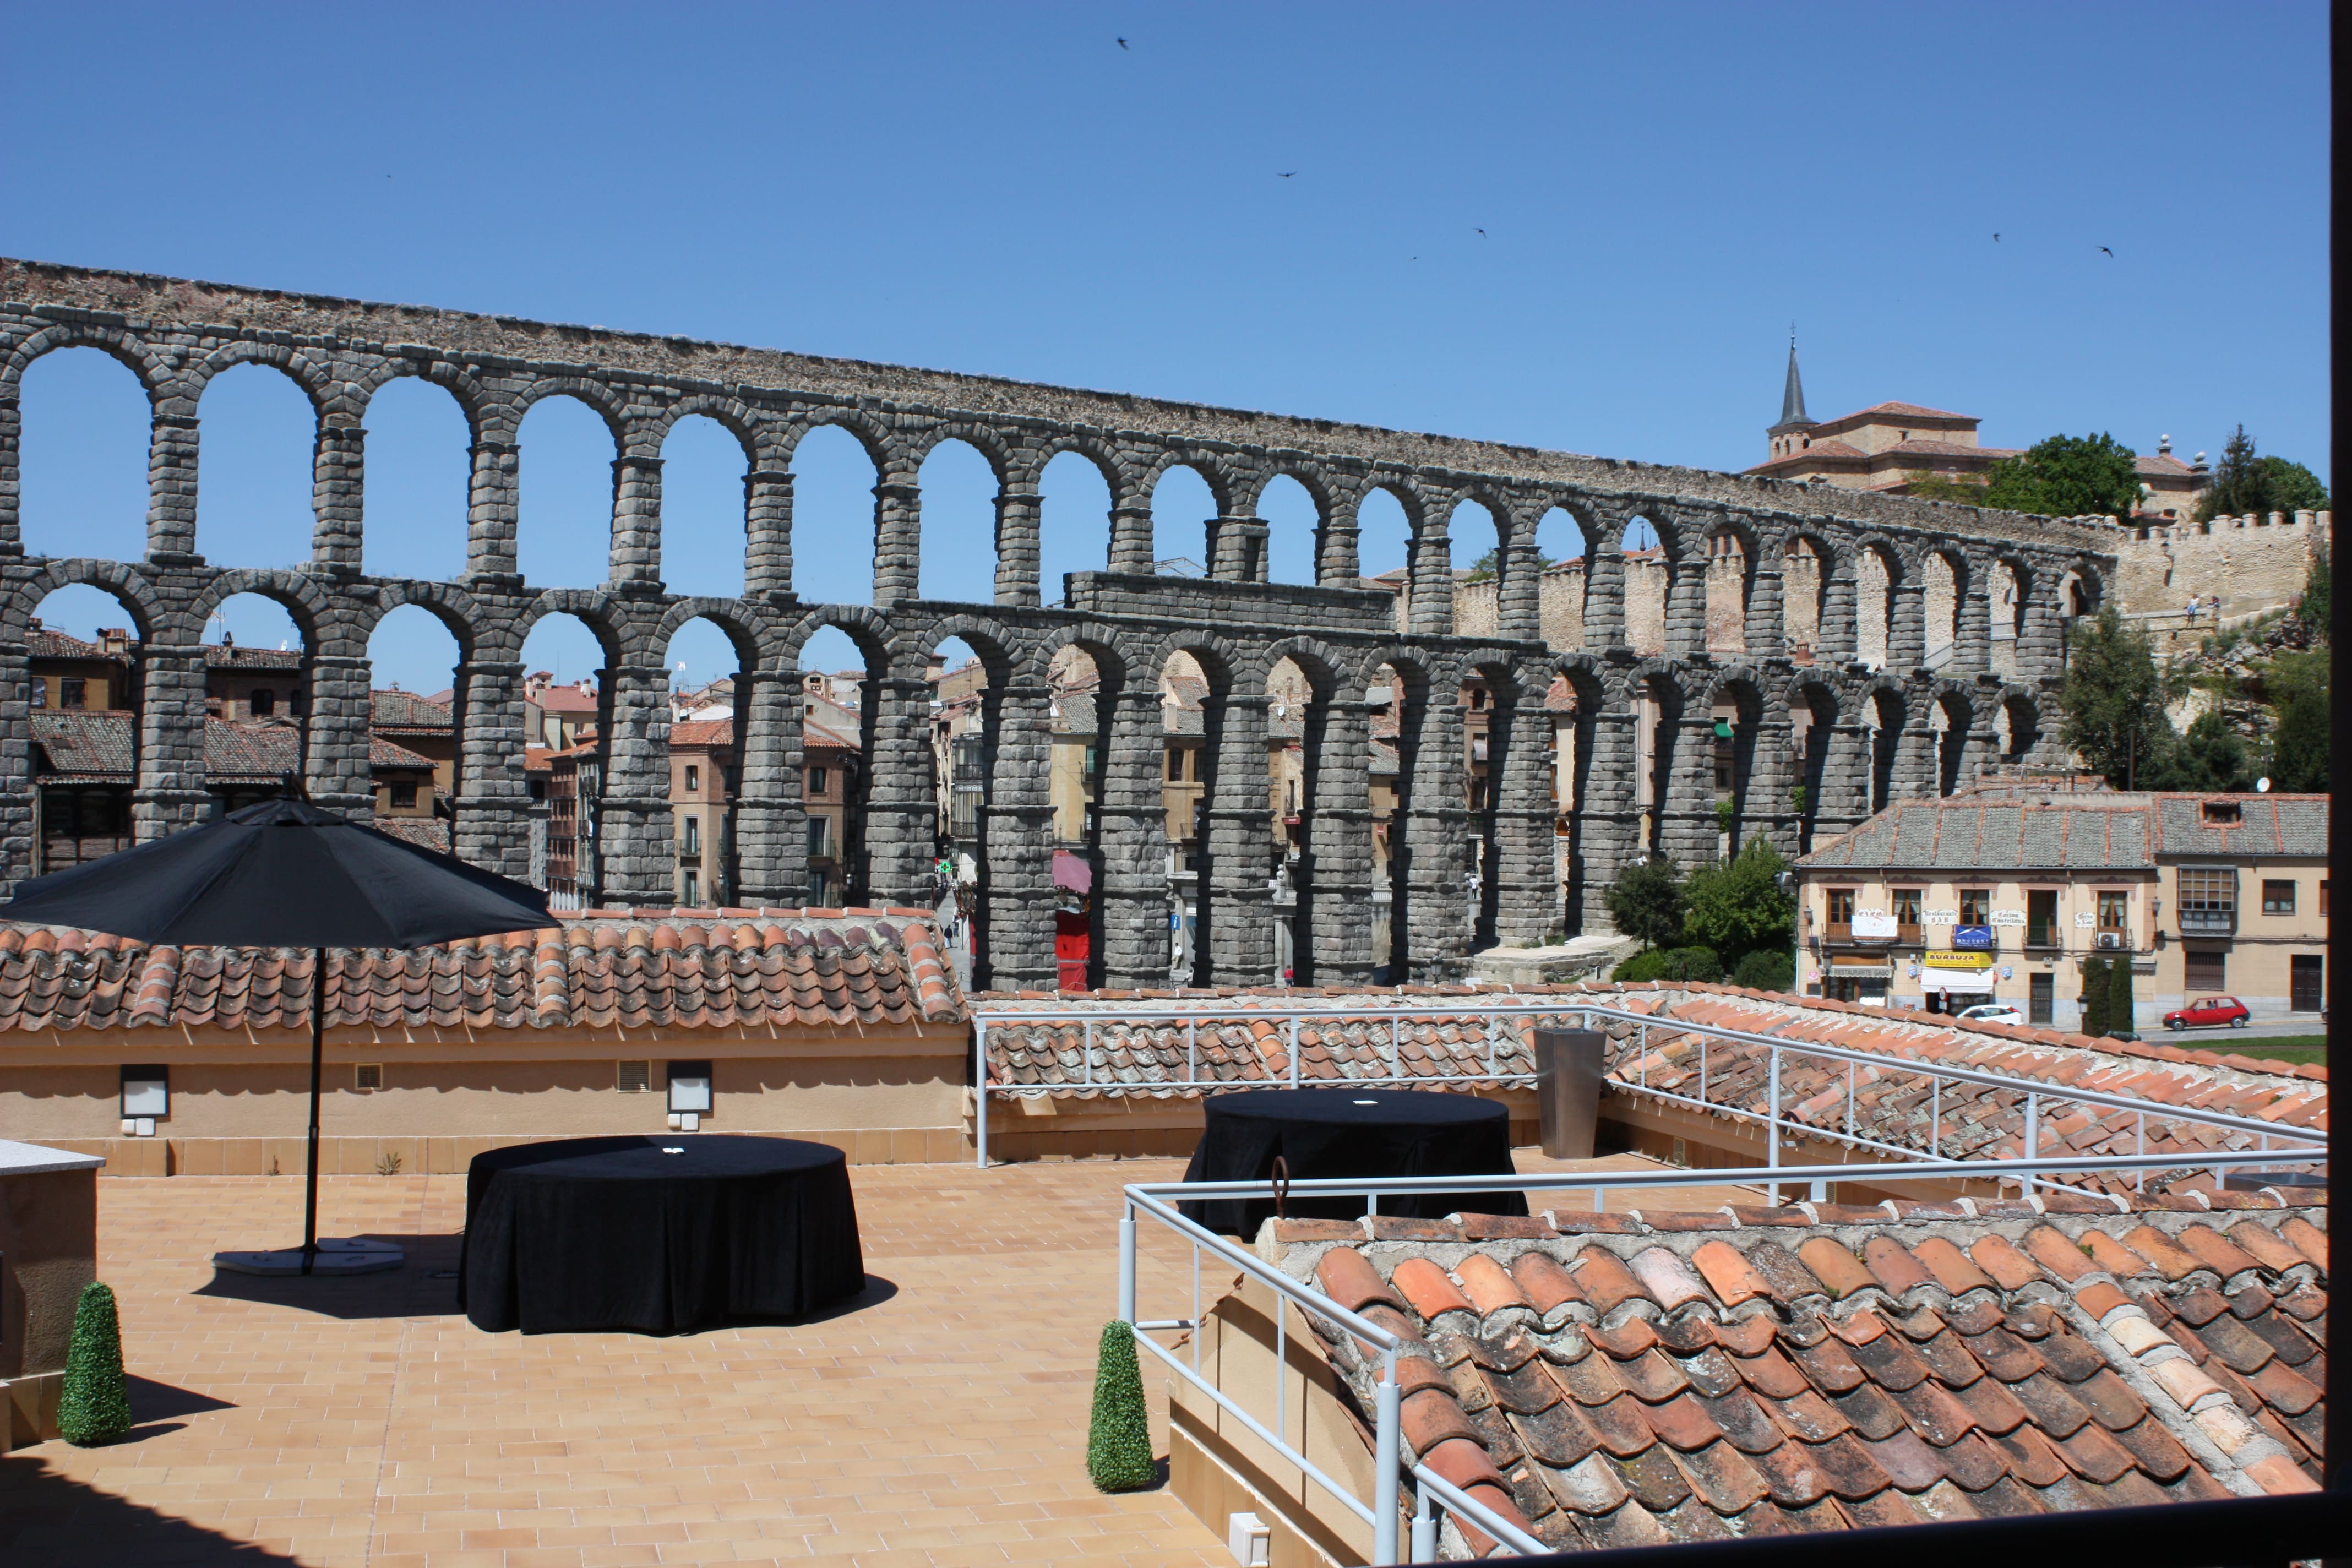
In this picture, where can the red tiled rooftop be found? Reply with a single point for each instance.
(1635, 1379)
(601, 968)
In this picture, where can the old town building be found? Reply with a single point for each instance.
(2001, 891)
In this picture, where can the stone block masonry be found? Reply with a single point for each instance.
(1718, 534)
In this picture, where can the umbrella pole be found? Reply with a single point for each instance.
(318, 1055)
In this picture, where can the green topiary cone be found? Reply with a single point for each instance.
(1119, 1440)
(95, 1406)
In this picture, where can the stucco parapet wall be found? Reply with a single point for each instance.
(146, 303)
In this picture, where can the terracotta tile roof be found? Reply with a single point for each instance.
(389, 709)
(534, 759)
(431, 832)
(1901, 410)
(2096, 830)
(218, 658)
(96, 743)
(718, 733)
(565, 699)
(1139, 1058)
(48, 642)
(601, 968)
(255, 753)
(1639, 1378)
(384, 753)
(824, 723)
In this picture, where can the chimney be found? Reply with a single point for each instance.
(115, 640)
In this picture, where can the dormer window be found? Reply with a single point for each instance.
(2221, 813)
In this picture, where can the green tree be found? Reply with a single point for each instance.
(2318, 605)
(2244, 482)
(2299, 750)
(1765, 969)
(2114, 700)
(2067, 475)
(1688, 964)
(2210, 759)
(94, 1406)
(1486, 566)
(2094, 995)
(1738, 905)
(2120, 1018)
(1118, 1438)
(1646, 900)
(1930, 486)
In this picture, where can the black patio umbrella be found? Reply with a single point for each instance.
(284, 874)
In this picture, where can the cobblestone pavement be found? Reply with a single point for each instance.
(941, 1420)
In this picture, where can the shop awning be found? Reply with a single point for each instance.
(1075, 872)
(1976, 982)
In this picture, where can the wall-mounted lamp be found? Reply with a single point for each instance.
(689, 1095)
(146, 1098)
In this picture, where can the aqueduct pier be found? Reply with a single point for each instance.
(1894, 723)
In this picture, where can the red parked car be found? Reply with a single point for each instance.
(2209, 1012)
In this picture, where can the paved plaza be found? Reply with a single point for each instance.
(941, 1419)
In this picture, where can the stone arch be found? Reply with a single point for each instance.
(880, 443)
(2018, 720)
(473, 399)
(1884, 707)
(1878, 576)
(124, 580)
(602, 615)
(751, 427)
(1944, 589)
(1815, 707)
(1808, 560)
(1734, 700)
(320, 380)
(980, 437)
(1213, 469)
(315, 616)
(1951, 720)
(463, 616)
(753, 638)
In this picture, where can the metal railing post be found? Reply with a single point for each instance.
(1126, 1263)
(1386, 1462)
(980, 1088)
(1086, 1051)
(1935, 1121)
(2032, 1140)
(1772, 1120)
(1292, 1050)
(1424, 1526)
(1191, 1053)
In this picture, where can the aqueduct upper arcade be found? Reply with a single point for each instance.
(1888, 698)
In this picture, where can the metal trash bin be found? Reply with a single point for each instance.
(1568, 1090)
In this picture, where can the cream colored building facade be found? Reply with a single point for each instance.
(1998, 893)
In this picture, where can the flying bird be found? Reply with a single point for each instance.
(2105, 252)
(1996, 239)
(1482, 231)
(1122, 43)
(1280, 176)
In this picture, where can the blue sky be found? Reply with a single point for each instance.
(1006, 190)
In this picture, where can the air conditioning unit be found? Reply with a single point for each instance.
(2111, 939)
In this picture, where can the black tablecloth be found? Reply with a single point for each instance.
(615, 1233)
(1349, 1132)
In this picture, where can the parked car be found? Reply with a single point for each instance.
(2208, 1013)
(1994, 1012)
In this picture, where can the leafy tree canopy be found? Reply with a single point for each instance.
(1646, 900)
(1936, 487)
(2114, 700)
(2299, 750)
(2067, 475)
(1738, 905)
(2245, 481)
(2210, 759)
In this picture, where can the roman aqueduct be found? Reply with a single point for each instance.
(1890, 698)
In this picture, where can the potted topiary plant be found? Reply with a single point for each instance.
(1119, 1439)
(94, 1406)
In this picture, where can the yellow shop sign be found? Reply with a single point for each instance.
(1934, 959)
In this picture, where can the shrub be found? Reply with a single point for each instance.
(2119, 997)
(1766, 970)
(94, 1406)
(1119, 1439)
(1683, 963)
(1646, 900)
(2094, 997)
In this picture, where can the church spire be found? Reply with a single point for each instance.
(1793, 414)
(1792, 399)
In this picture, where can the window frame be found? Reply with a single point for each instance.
(2273, 905)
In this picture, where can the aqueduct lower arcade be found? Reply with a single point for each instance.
(1881, 646)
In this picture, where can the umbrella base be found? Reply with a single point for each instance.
(336, 1257)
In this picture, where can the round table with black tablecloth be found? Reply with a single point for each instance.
(1349, 1132)
(657, 1235)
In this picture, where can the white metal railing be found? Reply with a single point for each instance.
(1432, 1493)
(2037, 1094)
